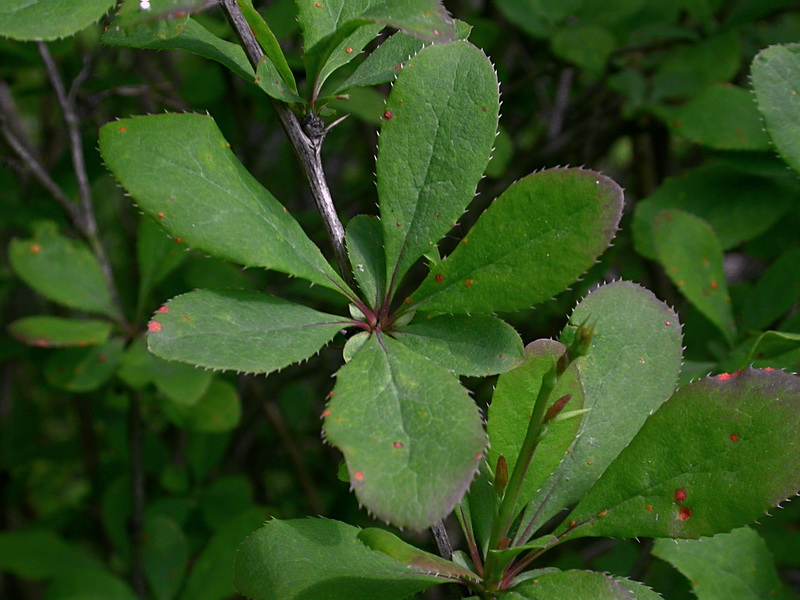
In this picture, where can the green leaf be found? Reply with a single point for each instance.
(269, 43)
(57, 331)
(269, 79)
(716, 456)
(511, 409)
(365, 250)
(729, 565)
(89, 585)
(28, 20)
(772, 344)
(477, 345)
(157, 256)
(134, 12)
(538, 237)
(215, 411)
(775, 293)
(692, 257)
(41, 554)
(212, 575)
(503, 558)
(62, 270)
(386, 415)
(776, 81)
(180, 171)
(583, 585)
(308, 559)
(588, 46)
(181, 383)
(538, 18)
(239, 330)
(434, 146)
(165, 556)
(738, 205)
(631, 367)
(723, 117)
(83, 369)
(388, 543)
(384, 63)
(192, 37)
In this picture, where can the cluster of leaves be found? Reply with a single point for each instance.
(411, 436)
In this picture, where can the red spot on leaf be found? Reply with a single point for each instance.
(478, 456)
(179, 240)
(727, 376)
(439, 278)
(187, 319)
(163, 309)
(348, 50)
(42, 343)
(684, 513)
(483, 108)
(667, 323)
(648, 507)
(34, 248)
(318, 4)
(160, 215)
(102, 358)
(388, 115)
(398, 444)
(680, 495)
(325, 413)
(769, 369)
(590, 463)
(154, 327)
(572, 524)
(602, 513)
(714, 285)
(358, 475)
(734, 437)
(502, 356)
(123, 129)
(179, 14)
(468, 283)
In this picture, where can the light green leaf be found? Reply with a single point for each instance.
(538, 237)
(62, 270)
(181, 171)
(477, 345)
(212, 575)
(718, 455)
(384, 63)
(269, 79)
(309, 559)
(434, 146)
(83, 369)
(723, 117)
(165, 556)
(365, 250)
(269, 43)
(631, 367)
(218, 409)
(157, 256)
(692, 257)
(386, 415)
(193, 37)
(45, 331)
(776, 81)
(391, 545)
(729, 565)
(511, 409)
(239, 330)
(738, 205)
(28, 20)
(134, 12)
(353, 345)
(583, 585)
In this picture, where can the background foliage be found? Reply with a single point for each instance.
(656, 95)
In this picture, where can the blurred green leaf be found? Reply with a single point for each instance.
(538, 17)
(83, 369)
(166, 555)
(45, 331)
(29, 20)
(134, 12)
(157, 256)
(218, 409)
(775, 292)
(89, 585)
(41, 554)
(587, 46)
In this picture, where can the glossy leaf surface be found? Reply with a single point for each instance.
(538, 237)
(365, 250)
(62, 270)
(46, 331)
(729, 565)
(692, 258)
(48, 19)
(776, 81)
(435, 144)
(180, 171)
(239, 330)
(386, 415)
(476, 345)
(631, 367)
(308, 559)
(716, 456)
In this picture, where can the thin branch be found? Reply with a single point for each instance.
(443, 545)
(306, 139)
(136, 522)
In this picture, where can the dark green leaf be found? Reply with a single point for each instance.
(587, 46)
(193, 37)
(365, 250)
(181, 383)
(386, 415)
(83, 369)
(181, 171)
(269, 79)
(729, 565)
(476, 345)
(48, 19)
(632, 366)
(692, 257)
(309, 559)
(775, 293)
(718, 455)
(583, 585)
(239, 330)
(165, 556)
(89, 585)
(384, 63)
(435, 144)
(63, 270)
(41, 554)
(134, 12)
(776, 81)
(57, 331)
(538, 237)
(538, 17)
(157, 256)
(216, 410)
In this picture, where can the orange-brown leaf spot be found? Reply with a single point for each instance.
(468, 283)
(439, 278)
(34, 248)
(734, 437)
